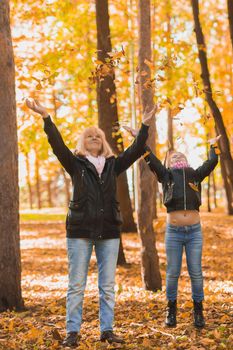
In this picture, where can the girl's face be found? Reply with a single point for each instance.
(93, 142)
(176, 157)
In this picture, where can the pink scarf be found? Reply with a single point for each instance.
(180, 165)
(98, 162)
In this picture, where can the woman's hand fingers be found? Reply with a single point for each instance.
(132, 131)
(30, 104)
(36, 107)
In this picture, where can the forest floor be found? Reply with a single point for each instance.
(139, 316)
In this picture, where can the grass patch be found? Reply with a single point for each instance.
(38, 217)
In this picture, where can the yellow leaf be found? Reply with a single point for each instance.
(145, 154)
(39, 86)
(115, 55)
(34, 333)
(224, 318)
(194, 187)
(159, 224)
(99, 62)
(188, 304)
(218, 93)
(207, 341)
(11, 326)
(148, 63)
(146, 342)
(144, 73)
(159, 77)
(217, 334)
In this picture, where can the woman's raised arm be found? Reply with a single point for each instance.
(136, 150)
(62, 152)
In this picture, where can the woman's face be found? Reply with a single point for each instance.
(177, 157)
(93, 142)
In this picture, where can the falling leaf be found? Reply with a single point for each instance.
(144, 73)
(193, 186)
(99, 62)
(148, 63)
(145, 154)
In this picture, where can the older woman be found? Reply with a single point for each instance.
(94, 218)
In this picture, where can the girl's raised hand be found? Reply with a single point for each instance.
(35, 105)
(214, 140)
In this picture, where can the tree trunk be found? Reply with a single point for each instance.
(169, 77)
(10, 266)
(49, 191)
(28, 180)
(227, 188)
(170, 129)
(208, 195)
(208, 183)
(133, 98)
(214, 190)
(107, 109)
(226, 157)
(230, 18)
(150, 261)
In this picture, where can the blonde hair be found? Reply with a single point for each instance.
(168, 157)
(82, 151)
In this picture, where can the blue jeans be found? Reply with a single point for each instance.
(190, 238)
(79, 254)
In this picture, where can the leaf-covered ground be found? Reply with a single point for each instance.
(139, 313)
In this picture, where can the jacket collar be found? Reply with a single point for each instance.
(91, 166)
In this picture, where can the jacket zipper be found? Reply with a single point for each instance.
(82, 177)
(184, 191)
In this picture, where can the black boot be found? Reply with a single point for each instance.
(110, 337)
(71, 339)
(171, 314)
(199, 321)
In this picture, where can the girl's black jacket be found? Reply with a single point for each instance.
(94, 210)
(181, 187)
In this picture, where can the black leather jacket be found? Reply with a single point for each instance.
(94, 210)
(181, 187)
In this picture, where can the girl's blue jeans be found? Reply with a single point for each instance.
(189, 238)
(79, 254)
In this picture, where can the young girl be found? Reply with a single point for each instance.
(94, 218)
(182, 198)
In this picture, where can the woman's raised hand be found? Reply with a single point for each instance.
(132, 131)
(149, 114)
(146, 119)
(37, 107)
